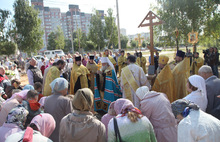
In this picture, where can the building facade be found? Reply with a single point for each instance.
(69, 21)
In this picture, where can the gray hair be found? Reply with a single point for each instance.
(205, 69)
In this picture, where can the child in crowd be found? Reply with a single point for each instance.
(38, 87)
(32, 105)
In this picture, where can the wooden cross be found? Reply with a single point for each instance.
(139, 38)
(150, 16)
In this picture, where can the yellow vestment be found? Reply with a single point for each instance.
(181, 73)
(93, 70)
(164, 83)
(196, 64)
(142, 63)
(121, 63)
(52, 74)
(81, 72)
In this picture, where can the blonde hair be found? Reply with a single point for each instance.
(133, 116)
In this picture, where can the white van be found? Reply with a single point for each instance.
(53, 53)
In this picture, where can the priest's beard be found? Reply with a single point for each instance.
(103, 68)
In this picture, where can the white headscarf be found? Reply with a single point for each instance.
(106, 60)
(58, 84)
(141, 92)
(198, 82)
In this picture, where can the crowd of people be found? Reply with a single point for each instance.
(105, 97)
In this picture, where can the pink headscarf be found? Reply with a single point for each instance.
(22, 94)
(45, 124)
(122, 106)
(107, 117)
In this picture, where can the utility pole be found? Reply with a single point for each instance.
(77, 30)
(119, 39)
(72, 40)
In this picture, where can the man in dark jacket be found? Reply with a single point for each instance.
(213, 90)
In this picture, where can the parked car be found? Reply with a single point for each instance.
(53, 53)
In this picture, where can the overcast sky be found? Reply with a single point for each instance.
(131, 12)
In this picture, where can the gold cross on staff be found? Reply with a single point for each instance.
(139, 38)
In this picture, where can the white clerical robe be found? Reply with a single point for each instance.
(140, 79)
(199, 126)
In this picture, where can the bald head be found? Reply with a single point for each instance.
(33, 62)
(205, 71)
(2, 70)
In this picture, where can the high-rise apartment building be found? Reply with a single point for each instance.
(69, 21)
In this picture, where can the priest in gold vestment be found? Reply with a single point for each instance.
(181, 73)
(164, 81)
(141, 61)
(132, 77)
(197, 63)
(122, 62)
(79, 78)
(92, 67)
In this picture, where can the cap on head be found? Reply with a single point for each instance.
(78, 58)
(180, 53)
(163, 59)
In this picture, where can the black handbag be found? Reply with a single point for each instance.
(117, 133)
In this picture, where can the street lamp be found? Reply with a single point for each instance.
(119, 39)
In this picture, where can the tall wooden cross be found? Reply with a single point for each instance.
(151, 16)
(138, 39)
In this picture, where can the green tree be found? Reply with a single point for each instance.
(82, 37)
(29, 31)
(7, 48)
(56, 39)
(133, 44)
(68, 46)
(96, 31)
(124, 41)
(184, 15)
(110, 29)
(7, 44)
(144, 44)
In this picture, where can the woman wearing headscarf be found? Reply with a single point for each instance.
(156, 107)
(195, 125)
(41, 127)
(132, 125)
(28, 87)
(57, 104)
(14, 123)
(9, 104)
(108, 116)
(197, 88)
(81, 125)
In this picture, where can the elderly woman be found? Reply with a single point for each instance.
(197, 88)
(14, 123)
(57, 104)
(195, 125)
(156, 107)
(132, 125)
(81, 125)
(9, 104)
(41, 127)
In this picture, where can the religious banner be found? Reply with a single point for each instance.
(193, 37)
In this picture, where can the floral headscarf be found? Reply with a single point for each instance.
(17, 116)
(122, 106)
